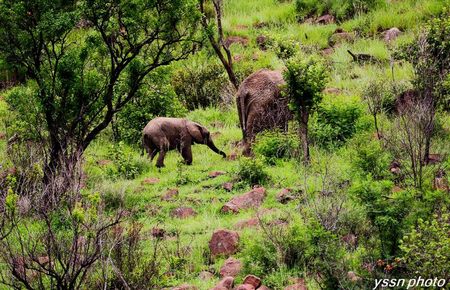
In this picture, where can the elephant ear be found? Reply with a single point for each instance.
(198, 133)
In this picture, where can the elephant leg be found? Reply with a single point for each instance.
(152, 154)
(160, 161)
(250, 134)
(186, 153)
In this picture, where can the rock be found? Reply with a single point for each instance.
(262, 287)
(261, 41)
(332, 91)
(253, 222)
(170, 194)
(241, 27)
(440, 181)
(230, 268)
(252, 280)
(228, 186)
(260, 24)
(284, 196)
(183, 212)
(225, 284)
(237, 58)
(350, 240)
(435, 159)
(214, 174)
(24, 205)
(224, 242)
(2, 136)
(205, 275)
(353, 277)
(233, 156)
(327, 51)
(150, 180)
(235, 40)
(185, 287)
(158, 233)
(396, 189)
(251, 199)
(299, 285)
(244, 287)
(391, 34)
(394, 167)
(43, 260)
(325, 19)
(340, 37)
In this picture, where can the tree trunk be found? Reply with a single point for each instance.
(303, 131)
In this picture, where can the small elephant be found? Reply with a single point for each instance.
(164, 134)
(261, 106)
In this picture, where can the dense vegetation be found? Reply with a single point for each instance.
(365, 160)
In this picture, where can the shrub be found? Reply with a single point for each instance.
(341, 9)
(126, 165)
(370, 158)
(335, 122)
(426, 249)
(156, 99)
(252, 171)
(200, 84)
(275, 145)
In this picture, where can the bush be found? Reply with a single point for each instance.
(155, 99)
(335, 122)
(275, 145)
(426, 249)
(341, 9)
(252, 171)
(126, 165)
(200, 84)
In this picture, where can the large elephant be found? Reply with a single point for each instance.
(164, 134)
(261, 106)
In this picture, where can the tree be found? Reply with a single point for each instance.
(86, 76)
(374, 97)
(305, 80)
(217, 42)
(430, 57)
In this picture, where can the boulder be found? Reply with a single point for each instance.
(150, 180)
(252, 280)
(299, 284)
(205, 275)
(440, 181)
(244, 287)
(391, 34)
(261, 41)
(332, 91)
(235, 40)
(228, 186)
(225, 284)
(353, 277)
(158, 233)
(327, 51)
(102, 162)
(2, 136)
(435, 159)
(224, 242)
(170, 194)
(262, 287)
(230, 268)
(214, 174)
(253, 222)
(251, 199)
(350, 240)
(284, 196)
(183, 212)
(325, 19)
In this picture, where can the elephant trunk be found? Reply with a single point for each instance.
(213, 147)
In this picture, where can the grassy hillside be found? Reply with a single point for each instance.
(333, 188)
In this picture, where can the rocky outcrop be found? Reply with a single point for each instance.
(224, 242)
(251, 199)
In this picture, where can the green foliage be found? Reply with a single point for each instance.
(284, 48)
(274, 145)
(251, 171)
(426, 248)
(155, 99)
(335, 122)
(385, 210)
(200, 84)
(305, 78)
(125, 164)
(341, 9)
(370, 158)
